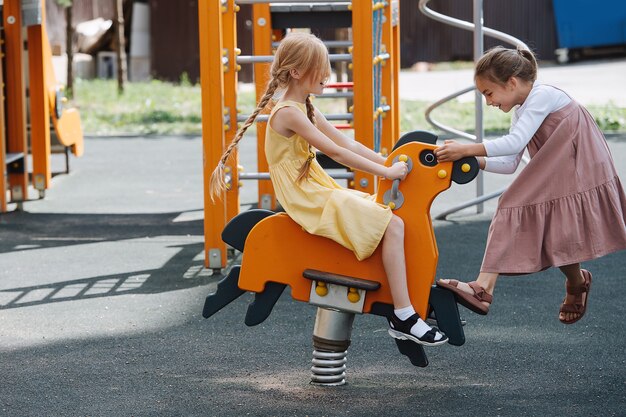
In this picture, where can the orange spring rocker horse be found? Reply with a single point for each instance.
(278, 252)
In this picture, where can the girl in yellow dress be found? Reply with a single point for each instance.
(309, 195)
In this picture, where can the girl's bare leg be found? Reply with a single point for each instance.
(574, 278)
(395, 268)
(394, 262)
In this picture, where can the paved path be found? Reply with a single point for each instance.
(589, 82)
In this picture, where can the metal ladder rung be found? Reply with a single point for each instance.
(309, 7)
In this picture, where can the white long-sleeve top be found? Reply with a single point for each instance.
(505, 152)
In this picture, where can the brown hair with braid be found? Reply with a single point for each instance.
(499, 64)
(300, 51)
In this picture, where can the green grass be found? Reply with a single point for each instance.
(153, 107)
(158, 107)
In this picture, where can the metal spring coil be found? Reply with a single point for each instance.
(329, 368)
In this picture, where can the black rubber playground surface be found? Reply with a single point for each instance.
(102, 289)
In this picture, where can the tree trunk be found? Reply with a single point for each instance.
(120, 47)
(69, 48)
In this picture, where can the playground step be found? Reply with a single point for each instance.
(347, 281)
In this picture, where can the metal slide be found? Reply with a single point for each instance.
(479, 30)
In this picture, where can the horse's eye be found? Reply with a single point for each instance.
(428, 158)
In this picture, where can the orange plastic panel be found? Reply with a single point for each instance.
(67, 127)
(69, 130)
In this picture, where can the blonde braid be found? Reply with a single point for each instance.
(306, 167)
(218, 184)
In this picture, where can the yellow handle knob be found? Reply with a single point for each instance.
(353, 295)
(391, 205)
(403, 158)
(321, 289)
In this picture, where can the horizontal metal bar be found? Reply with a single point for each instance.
(347, 94)
(470, 203)
(329, 44)
(382, 57)
(289, 1)
(349, 84)
(266, 175)
(308, 7)
(257, 59)
(265, 117)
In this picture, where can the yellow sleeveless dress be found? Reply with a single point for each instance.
(318, 204)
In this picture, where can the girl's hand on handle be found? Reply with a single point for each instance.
(450, 151)
(397, 171)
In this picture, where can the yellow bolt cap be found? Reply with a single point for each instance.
(403, 158)
(354, 297)
(391, 205)
(442, 173)
(321, 291)
(465, 168)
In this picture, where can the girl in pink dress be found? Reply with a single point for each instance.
(565, 207)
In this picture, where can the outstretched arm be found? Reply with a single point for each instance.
(299, 124)
(342, 140)
(453, 151)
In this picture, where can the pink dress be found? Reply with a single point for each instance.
(566, 206)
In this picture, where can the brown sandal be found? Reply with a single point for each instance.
(471, 301)
(579, 306)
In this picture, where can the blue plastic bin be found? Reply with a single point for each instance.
(590, 23)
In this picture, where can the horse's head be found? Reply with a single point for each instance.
(427, 176)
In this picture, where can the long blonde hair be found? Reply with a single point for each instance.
(499, 64)
(298, 50)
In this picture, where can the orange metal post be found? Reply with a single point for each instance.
(16, 95)
(212, 84)
(229, 31)
(389, 81)
(362, 70)
(262, 40)
(3, 181)
(39, 105)
(395, 72)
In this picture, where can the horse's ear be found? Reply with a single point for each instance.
(238, 228)
(416, 136)
(464, 170)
